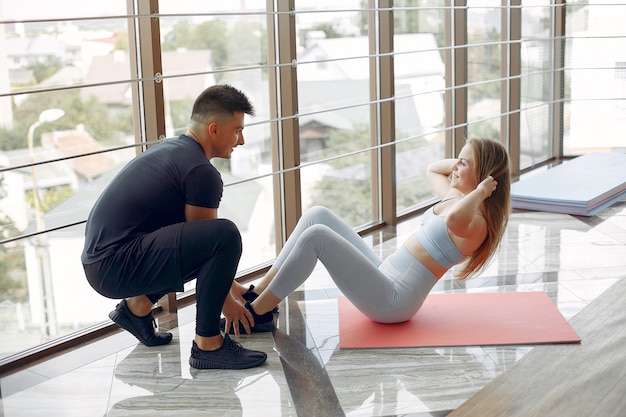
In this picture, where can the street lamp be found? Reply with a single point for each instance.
(49, 326)
(46, 116)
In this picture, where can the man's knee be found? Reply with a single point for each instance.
(229, 233)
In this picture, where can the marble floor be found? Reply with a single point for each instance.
(572, 259)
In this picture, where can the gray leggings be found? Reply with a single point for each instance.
(389, 291)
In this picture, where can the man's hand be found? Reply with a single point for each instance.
(235, 313)
(237, 290)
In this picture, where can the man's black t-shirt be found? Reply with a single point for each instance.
(150, 192)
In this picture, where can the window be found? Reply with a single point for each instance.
(484, 66)
(419, 84)
(66, 127)
(333, 79)
(537, 82)
(594, 93)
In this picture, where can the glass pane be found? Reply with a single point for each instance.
(207, 43)
(483, 65)
(60, 300)
(333, 93)
(343, 185)
(595, 77)
(64, 88)
(536, 83)
(419, 86)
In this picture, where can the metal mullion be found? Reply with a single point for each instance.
(374, 81)
(135, 67)
(274, 82)
(558, 79)
(456, 76)
(383, 117)
(149, 116)
(511, 84)
(286, 130)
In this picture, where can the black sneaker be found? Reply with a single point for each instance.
(140, 327)
(262, 323)
(250, 296)
(230, 356)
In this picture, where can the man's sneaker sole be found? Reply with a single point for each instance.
(230, 356)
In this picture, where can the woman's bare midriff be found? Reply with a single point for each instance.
(416, 249)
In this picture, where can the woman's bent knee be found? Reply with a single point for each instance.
(318, 214)
(318, 210)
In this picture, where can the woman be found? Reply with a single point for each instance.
(465, 226)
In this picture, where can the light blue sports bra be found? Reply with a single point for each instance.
(434, 237)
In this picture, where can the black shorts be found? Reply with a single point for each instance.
(147, 265)
(162, 261)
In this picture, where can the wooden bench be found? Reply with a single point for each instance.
(586, 379)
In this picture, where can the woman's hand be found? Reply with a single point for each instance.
(487, 186)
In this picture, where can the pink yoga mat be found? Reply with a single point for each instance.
(475, 319)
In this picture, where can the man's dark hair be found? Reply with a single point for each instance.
(220, 100)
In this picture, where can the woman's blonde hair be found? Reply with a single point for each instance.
(492, 158)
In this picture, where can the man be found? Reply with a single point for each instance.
(155, 227)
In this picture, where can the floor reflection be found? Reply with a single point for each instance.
(574, 260)
(166, 382)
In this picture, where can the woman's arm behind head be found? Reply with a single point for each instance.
(438, 174)
(492, 160)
